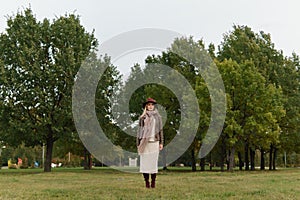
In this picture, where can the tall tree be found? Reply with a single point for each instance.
(189, 58)
(253, 111)
(129, 100)
(289, 81)
(40, 61)
(242, 45)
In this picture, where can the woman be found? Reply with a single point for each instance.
(149, 141)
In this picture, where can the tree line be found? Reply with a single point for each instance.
(39, 61)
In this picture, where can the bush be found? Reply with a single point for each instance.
(75, 161)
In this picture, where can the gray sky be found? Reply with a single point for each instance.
(208, 19)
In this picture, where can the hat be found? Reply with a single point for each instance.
(149, 100)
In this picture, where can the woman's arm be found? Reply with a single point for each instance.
(161, 140)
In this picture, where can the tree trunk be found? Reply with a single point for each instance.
(231, 159)
(210, 162)
(252, 159)
(84, 161)
(262, 159)
(227, 160)
(271, 157)
(49, 148)
(223, 154)
(274, 159)
(164, 159)
(202, 164)
(241, 164)
(90, 161)
(87, 160)
(193, 160)
(246, 156)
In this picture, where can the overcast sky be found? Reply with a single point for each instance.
(208, 19)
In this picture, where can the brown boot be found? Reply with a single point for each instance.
(146, 178)
(153, 177)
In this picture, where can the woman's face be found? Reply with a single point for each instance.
(150, 106)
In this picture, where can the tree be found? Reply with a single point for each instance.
(189, 58)
(242, 45)
(128, 108)
(137, 88)
(40, 61)
(289, 81)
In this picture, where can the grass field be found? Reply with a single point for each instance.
(106, 183)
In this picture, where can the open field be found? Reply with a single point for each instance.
(106, 183)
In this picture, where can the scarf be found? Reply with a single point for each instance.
(146, 127)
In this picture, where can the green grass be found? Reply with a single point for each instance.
(106, 183)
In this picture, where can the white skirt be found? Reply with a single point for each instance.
(149, 158)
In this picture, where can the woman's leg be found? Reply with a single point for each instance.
(153, 177)
(146, 178)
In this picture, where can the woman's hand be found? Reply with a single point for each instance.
(161, 147)
(144, 113)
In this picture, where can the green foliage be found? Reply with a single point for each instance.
(254, 108)
(253, 72)
(39, 64)
(281, 76)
